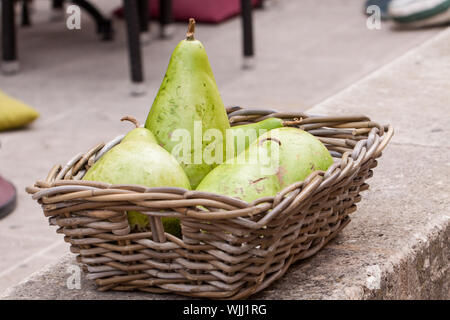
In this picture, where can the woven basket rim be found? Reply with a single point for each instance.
(379, 137)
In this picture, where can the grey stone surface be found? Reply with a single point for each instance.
(398, 243)
(416, 101)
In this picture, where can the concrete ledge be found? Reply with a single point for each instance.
(398, 243)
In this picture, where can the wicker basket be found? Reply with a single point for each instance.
(246, 246)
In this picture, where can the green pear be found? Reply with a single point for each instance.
(298, 153)
(242, 136)
(274, 161)
(138, 159)
(245, 181)
(138, 134)
(247, 176)
(189, 100)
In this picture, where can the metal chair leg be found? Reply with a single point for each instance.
(144, 20)
(57, 12)
(57, 4)
(247, 27)
(134, 45)
(26, 22)
(144, 15)
(247, 32)
(165, 18)
(10, 63)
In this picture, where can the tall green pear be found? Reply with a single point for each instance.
(138, 159)
(187, 105)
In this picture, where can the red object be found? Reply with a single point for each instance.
(7, 197)
(211, 11)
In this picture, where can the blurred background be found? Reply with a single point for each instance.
(303, 51)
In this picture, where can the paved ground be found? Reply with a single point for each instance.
(306, 51)
(397, 245)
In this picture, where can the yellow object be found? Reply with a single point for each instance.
(14, 113)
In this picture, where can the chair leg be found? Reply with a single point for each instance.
(10, 63)
(57, 4)
(260, 4)
(247, 32)
(144, 20)
(104, 26)
(247, 27)
(144, 15)
(134, 45)
(165, 17)
(26, 22)
(57, 12)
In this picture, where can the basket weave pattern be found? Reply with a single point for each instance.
(230, 249)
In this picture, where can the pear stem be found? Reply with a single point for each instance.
(131, 119)
(269, 139)
(191, 29)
